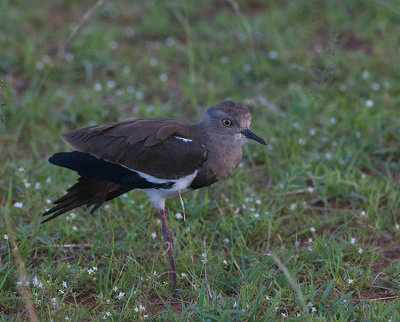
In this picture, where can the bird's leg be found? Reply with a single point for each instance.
(168, 241)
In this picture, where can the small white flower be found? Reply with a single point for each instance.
(21, 169)
(313, 309)
(234, 304)
(352, 240)
(48, 180)
(64, 284)
(256, 215)
(246, 68)
(375, 86)
(153, 235)
(108, 313)
(310, 240)
(328, 156)
(145, 316)
(90, 271)
(74, 228)
(95, 268)
(267, 298)
(129, 31)
(111, 84)
(61, 291)
(350, 281)
(365, 74)
(39, 65)
(113, 45)
(121, 295)
(309, 248)
(312, 132)
(169, 41)
(310, 189)
(363, 213)
(97, 87)
(183, 275)
(69, 57)
(283, 314)
(302, 141)
(48, 201)
(258, 202)
(115, 288)
(293, 206)
(141, 307)
(5, 237)
(332, 120)
(397, 226)
(312, 229)
(26, 183)
(37, 185)
(163, 77)
(272, 54)
(224, 59)
(360, 250)
(369, 103)
(18, 205)
(225, 262)
(153, 61)
(179, 215)
(136, 309)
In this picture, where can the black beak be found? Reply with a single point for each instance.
(250, 135)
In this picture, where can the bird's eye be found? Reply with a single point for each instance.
(227, 122)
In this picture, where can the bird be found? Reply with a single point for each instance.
(161, 156)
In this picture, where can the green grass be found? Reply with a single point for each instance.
(322, 82)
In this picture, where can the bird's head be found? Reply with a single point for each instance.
(230, 121)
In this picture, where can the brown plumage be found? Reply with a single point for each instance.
(163, 157)
(138, 144)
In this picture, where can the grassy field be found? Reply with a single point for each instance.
(307, 228)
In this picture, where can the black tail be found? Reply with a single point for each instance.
(89, 192)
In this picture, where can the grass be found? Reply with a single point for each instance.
(307, 228)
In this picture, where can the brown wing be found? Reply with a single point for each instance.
(146, 145)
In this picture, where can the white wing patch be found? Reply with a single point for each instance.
(183, 139)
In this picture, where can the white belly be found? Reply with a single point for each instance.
(158, 196)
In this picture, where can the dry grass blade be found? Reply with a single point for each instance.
(292, 283)
(88, 14)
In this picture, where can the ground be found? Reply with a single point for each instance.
(306, 228)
